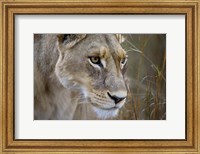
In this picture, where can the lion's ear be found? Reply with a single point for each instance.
(66, 41)
(120, 38)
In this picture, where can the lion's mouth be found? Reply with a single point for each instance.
(103, 108)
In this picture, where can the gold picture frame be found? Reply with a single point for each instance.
(9, 8)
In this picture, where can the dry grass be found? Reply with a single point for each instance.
(147, 71)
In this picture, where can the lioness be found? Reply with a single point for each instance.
(78, 76)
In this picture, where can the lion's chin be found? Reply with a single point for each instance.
(105, 113)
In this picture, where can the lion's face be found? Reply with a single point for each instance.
(95, 66)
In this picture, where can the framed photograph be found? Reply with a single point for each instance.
(99, 76)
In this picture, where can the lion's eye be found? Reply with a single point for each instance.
(95, 60)
(123, 62)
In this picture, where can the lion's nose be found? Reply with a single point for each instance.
(116, 98)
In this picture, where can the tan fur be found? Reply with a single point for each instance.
(121, 53)
(67, 85)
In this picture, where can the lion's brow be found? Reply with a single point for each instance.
(99, 51)
(94, 52)
(121, 53)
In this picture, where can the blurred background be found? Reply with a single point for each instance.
(146, 77)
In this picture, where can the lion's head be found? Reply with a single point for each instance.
(94, 65)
